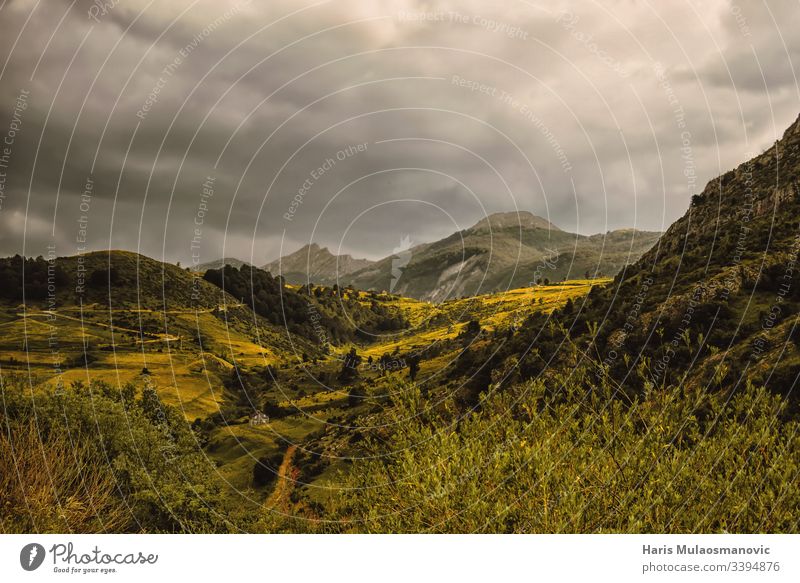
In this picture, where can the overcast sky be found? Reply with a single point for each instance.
(381, 120)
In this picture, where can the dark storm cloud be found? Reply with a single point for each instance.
(216, 116)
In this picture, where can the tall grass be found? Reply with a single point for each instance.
(52, 483)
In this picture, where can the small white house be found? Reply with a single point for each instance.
(258, 418)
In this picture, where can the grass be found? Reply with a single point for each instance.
(51, 347)
(168, 344)
(432, 323)
(236, 448)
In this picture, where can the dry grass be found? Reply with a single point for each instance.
(51, 484)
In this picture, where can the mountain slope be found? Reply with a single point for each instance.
(716, 300)
(503, 251)
(712, 306)
(315, 264)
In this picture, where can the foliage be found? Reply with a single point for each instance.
(325, 315)
(36, 274)
(52, 483)
(145, 448)
(265, 470)
(567, 454)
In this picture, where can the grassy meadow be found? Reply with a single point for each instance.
(203, 361)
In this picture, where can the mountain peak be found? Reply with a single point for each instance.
(314, 250)
(313, 262)
(793, 129)
(522, 219)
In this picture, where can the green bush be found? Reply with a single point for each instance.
(159, 471)
(570, 455)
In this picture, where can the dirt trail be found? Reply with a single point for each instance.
(284, 485)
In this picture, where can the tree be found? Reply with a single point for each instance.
(472, 329)
(413, 367)
(356, 396)
(794, 334)
(265, 471)
(349, 372)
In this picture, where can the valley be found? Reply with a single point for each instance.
(658, 397)
(219, 365)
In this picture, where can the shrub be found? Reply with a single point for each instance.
(265, 470)
(569, 455)
(146, 449)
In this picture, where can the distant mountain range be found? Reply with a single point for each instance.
(219, 264)
(316, 264)
(502, 251)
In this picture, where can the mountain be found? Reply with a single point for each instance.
(711, 306)
(502, 251)
(718, 295)
(520, 220)
(316, 264)
(220, 263)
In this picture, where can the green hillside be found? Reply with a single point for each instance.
(504, 251)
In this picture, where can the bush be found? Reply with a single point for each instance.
(145, 449)
(569, 455)
(265, 471)
(53, 483)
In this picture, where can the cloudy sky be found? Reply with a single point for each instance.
(254, 127)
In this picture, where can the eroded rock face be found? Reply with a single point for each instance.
(502, 251)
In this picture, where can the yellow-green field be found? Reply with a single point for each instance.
(435, 322)
(165, 347)
(50, 346)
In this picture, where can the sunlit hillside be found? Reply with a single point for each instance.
(219, 363)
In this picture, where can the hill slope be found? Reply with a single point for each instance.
(117, 316)
(118, 279)
(503, 251)
(714, 303)
(724, 274)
